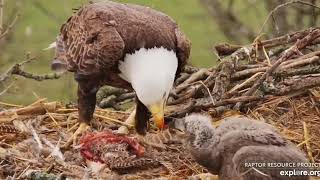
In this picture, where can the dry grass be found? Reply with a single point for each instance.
(31, 137)
(297, 118)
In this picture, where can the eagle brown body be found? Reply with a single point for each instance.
(95, 39)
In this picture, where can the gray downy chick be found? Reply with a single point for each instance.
(239, 140)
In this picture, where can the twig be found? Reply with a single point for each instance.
(10, 26)
(281, 6)
(239, 86)
(302, 62)
(10, 105)
(1, 15)
(248, 72)
(291, 51)
(6, 89)
(16, 70)
(113, 120)
(266, 55)
(232, 101)
(293, 72)
(208, 90)
(194, 105)
(37, 77)
(199, 75)
(227, 49)
(8, 74)
(228, 22)
(295, 84)
(306, 136)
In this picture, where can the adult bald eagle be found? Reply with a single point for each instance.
(125, 46)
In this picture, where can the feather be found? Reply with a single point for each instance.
(59, 65)
(99, 35)
(225, 150)
(154, 79)
(107, 43)
(51, 46)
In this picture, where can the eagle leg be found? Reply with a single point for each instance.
(139, 117)
(142, 117)
(87, 90)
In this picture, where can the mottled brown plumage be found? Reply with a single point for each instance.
(95, 39)
(99, 35)
(238, 140)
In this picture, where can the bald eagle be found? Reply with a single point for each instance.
(126, 46)
(237, 141)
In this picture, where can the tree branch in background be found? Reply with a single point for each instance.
(314, 14)
(3, 32)
(17, 70)
(1, 15)
(281, 21)
(236, 30)
(9, 27)
(228, 22)
(6, 89)
(279, 7)
(7, 24)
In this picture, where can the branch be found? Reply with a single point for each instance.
(282, 6)
(228, 22)
(225, 49)
(6, 89)
(197, 105)
(314, 34)
(10, 26)
(16, 70)
(294, 85)
(1, 15)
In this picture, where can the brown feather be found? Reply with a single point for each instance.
(101, 33)
(93, 41)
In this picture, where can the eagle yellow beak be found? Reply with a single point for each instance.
(157, 111)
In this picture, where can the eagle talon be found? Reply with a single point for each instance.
(83, 127)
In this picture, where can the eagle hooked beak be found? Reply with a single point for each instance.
(157, 111)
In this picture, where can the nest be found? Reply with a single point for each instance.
(32, 137)
(276, 81)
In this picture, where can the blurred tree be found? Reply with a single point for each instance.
(235, 26)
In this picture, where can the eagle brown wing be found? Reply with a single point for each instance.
(88, 44)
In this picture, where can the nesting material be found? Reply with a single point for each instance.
(37, 152)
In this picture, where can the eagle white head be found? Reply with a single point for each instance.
(151, 73)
